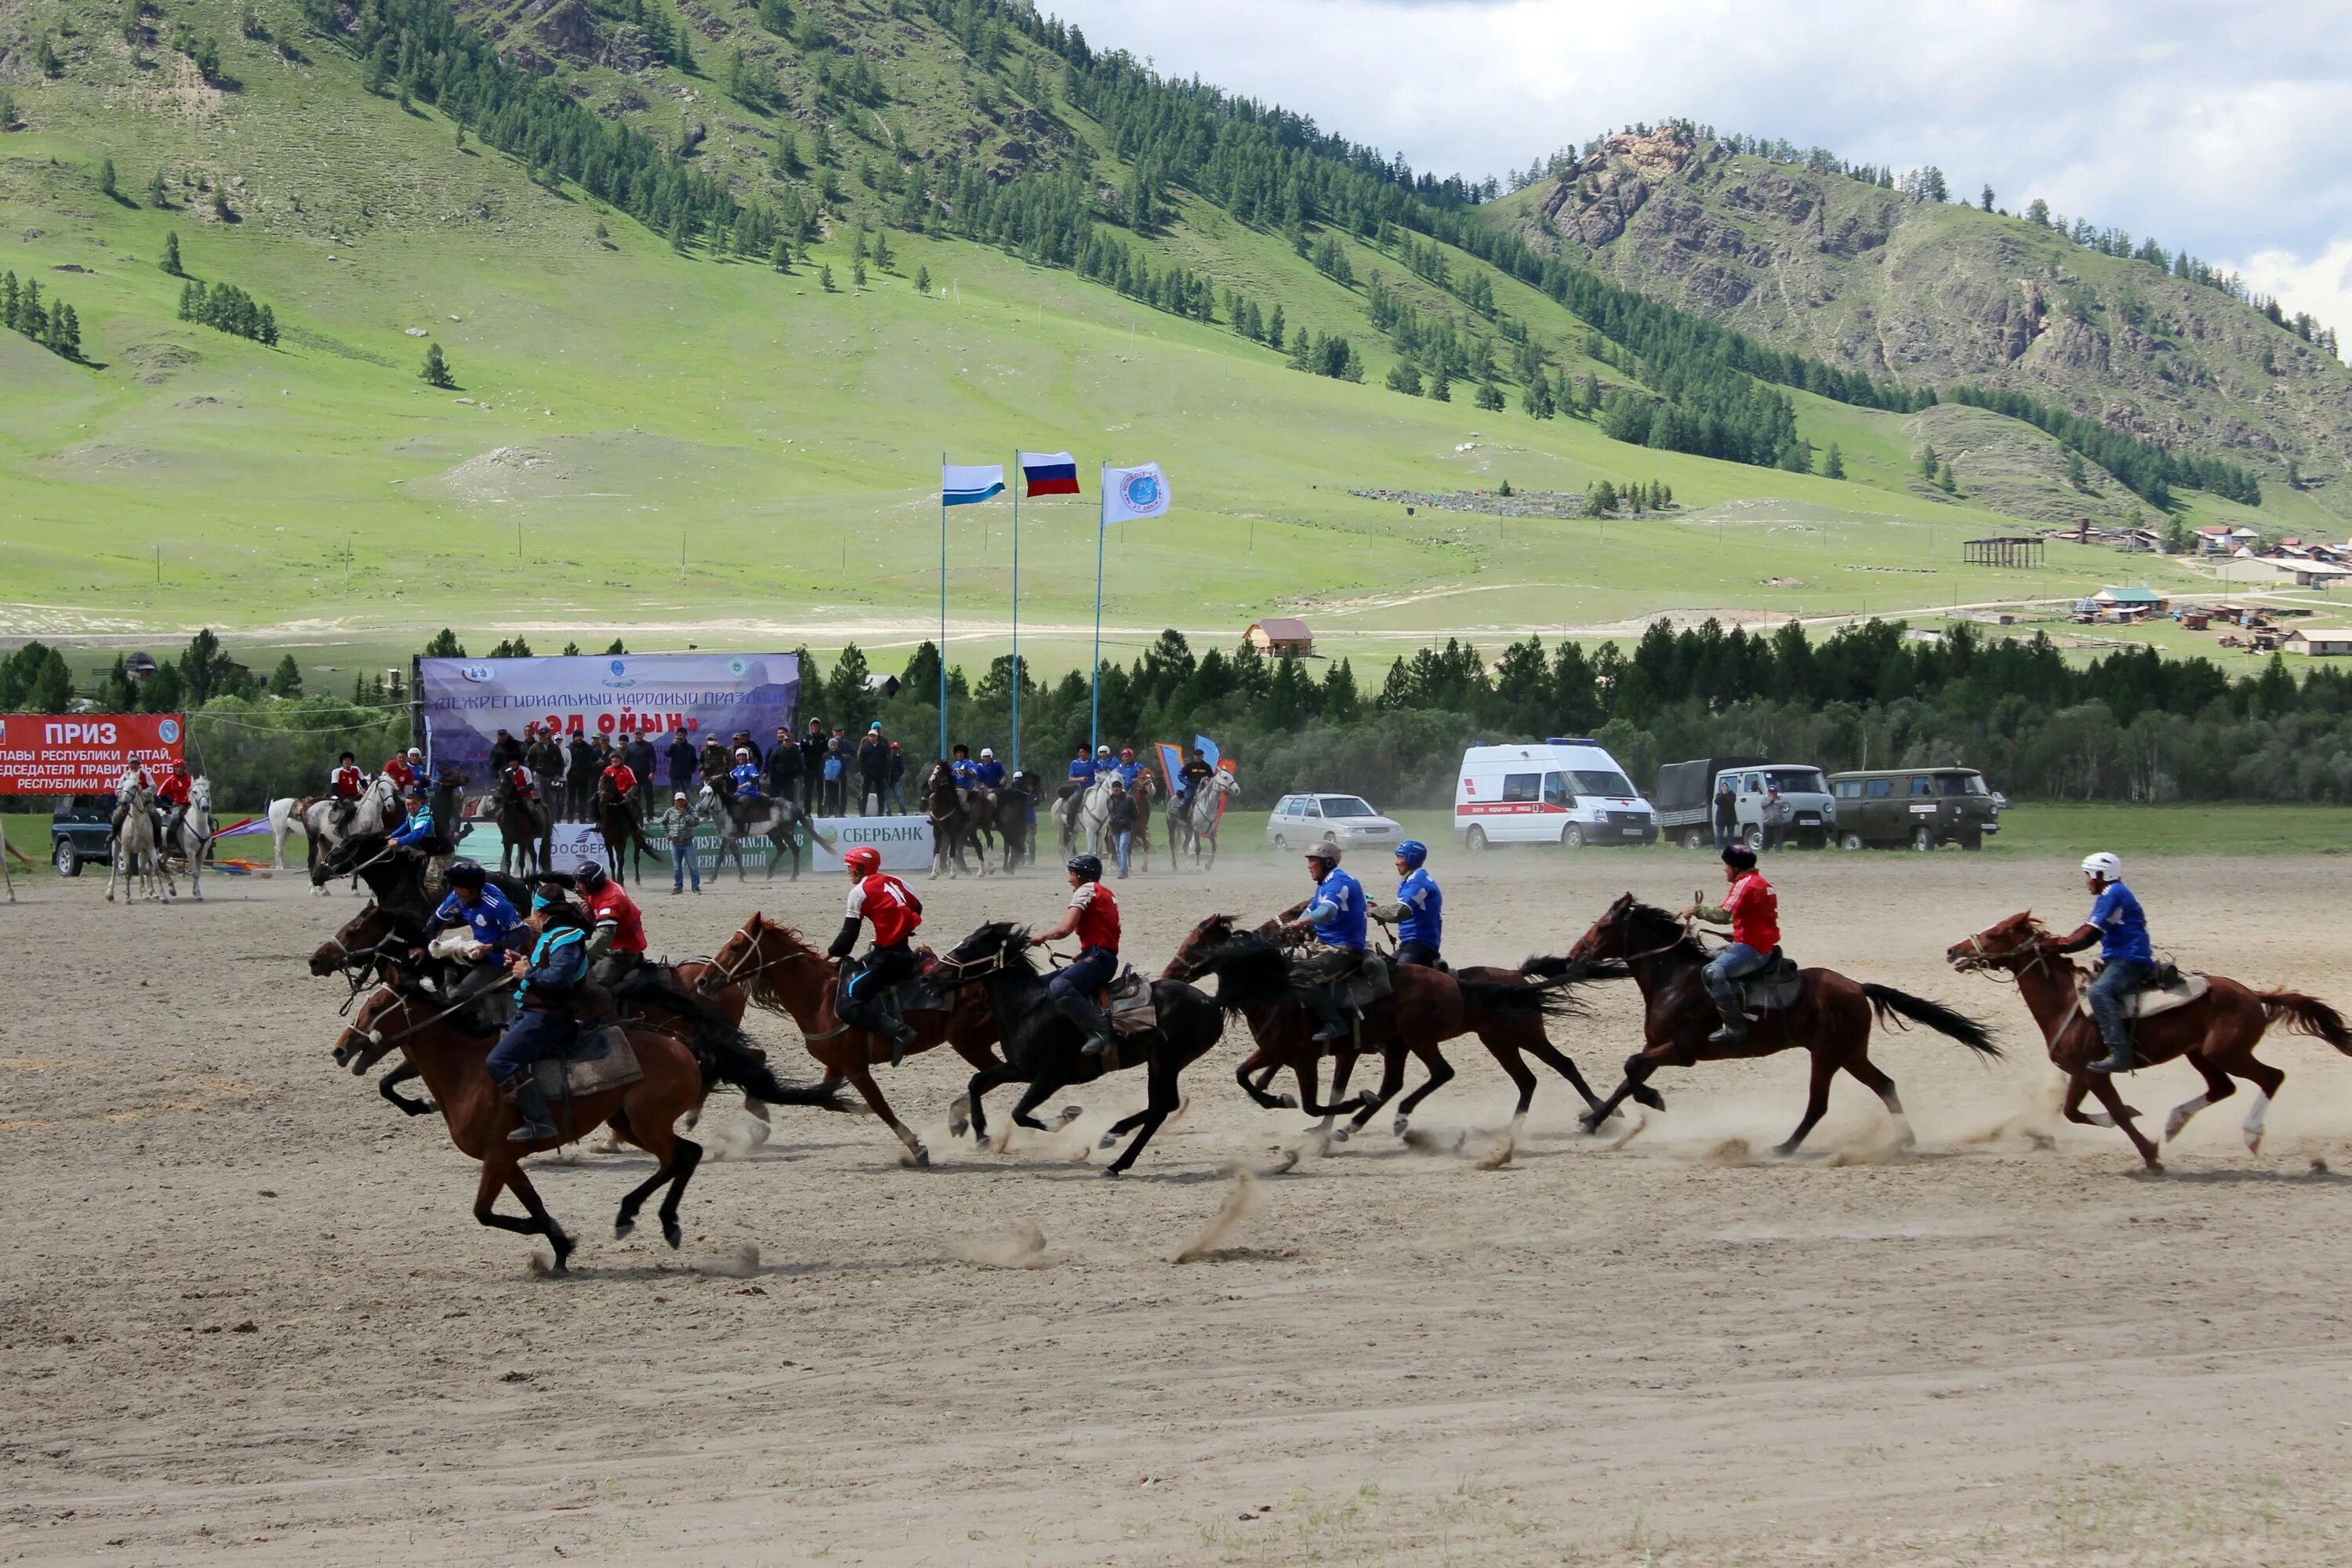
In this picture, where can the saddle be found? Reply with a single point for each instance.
(599, 1059)
(1352, 980)
(2166, 989)
(1773, 988)
(1127, 1001)
(916, 994)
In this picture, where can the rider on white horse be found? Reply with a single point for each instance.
(172, 795)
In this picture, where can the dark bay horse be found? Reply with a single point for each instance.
(524, 825)
(450, 1061)
(783, 973)
(1012, 807)
(2217, 1033)
(1831, 1017)
(954, 829)
(1044, 1050)
(617, 825)
(1506, 1010)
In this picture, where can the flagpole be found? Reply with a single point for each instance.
(943, 613)
(1018, 478)
(1094, 675)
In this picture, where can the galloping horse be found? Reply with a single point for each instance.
(136, 859)
(954, 829)
(1193, 822)
(2217, 1032)
(1043, 1050)
(450, 1061)
(1506, 1010)
(783, 973)
(617, 825)
(1831, 1017)
(1016, 811)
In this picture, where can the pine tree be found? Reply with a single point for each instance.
(857, 272)
(1404, 377)
(1946, 481)
(780, 258)
(171, 267)
(823, 146)
(444, 645)
(221, 209)
(1985, 201)
(1273, 330)
(1833, 464)
(105, 181)
(2077, 477)
(825, 280)
(922, 279)
(46, 58)
(286, 681)
(1489, 397)
(1928, 461)
(616, 648)
(155, 195)
(437, 372)
(882, 259)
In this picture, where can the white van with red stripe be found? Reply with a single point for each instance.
(1564, 792)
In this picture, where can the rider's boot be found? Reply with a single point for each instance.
(1090, 1021)
(902, 1039)
(1735, 1023)
(1339, 1022)
(2119, 1057)
(530, 1104)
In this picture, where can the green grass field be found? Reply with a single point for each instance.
(693, 451)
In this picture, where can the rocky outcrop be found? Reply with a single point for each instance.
(1936, 294)
(566, 26)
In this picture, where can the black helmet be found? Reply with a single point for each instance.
(1087, 866)
(589, 874)
(466, 874)
(1740, 856)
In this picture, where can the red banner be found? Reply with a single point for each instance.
(82, 754)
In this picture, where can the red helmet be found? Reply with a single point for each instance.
(181, 767)
(1127, 751)
(865, 861)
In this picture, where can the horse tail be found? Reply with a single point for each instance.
(1516, 997)
(2307, 1016)
(726, 1055)
(1558, 969)
(1886, 1000)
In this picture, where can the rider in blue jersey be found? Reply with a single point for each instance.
(1082, 769)
(1335, 916)
(1419, 912)
(989, 771)
(2120, 928)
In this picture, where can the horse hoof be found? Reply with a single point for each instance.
(1285, 1102)
(1342, 1134)
(673, 1233)
(1644, 1095)
(622, 1228)
(1108, 1140)
(1113, 1171)
(1398, 1126)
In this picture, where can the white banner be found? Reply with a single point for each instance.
(905, 843)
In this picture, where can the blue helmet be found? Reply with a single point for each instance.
(1412, 852)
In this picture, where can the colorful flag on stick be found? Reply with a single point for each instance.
(962, 485)
(1049, 474)
(1130, 495)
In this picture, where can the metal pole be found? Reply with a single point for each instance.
(943, 614)
(1016, 609)
(1094, 675)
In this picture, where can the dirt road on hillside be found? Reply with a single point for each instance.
(247, 1317)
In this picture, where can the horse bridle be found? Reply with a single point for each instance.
(2038, 946)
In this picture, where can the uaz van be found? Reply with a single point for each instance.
(1921, 807)
(1569, 793)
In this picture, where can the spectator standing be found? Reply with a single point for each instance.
(1120, 822)
(897, 802)
(641, 757)
(1727, 813)
(680, 755)
(1776, 820)
(505, 753)
(784, 766)
(835, 770)
(715, 762)
(872, 769)
(580, 779)
(543, 756)
(677, 827)
(812, 764)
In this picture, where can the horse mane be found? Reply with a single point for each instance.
(1249, 970)
(1650, 925)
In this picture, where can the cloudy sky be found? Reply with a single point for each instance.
(2224, 128)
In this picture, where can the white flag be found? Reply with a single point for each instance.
(1131, 494)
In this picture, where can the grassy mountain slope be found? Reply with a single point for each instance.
(697, 448)
(1941, 293)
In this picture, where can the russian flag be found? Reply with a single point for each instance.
(1049, 474)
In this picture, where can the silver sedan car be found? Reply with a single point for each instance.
(1347, 820)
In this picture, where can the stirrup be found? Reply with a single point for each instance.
(2119, 1058)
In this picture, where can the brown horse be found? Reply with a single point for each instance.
(954, 827)
(783, 973)
(1505, 1009)
(450, 1062)
(617, 825)
(2217, 1032)
(1831, 1017)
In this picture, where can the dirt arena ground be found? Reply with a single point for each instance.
(247, 1316)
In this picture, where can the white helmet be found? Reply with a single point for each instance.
(2107, 867)
(744, 753)
(1102, 751)
(988, 752)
